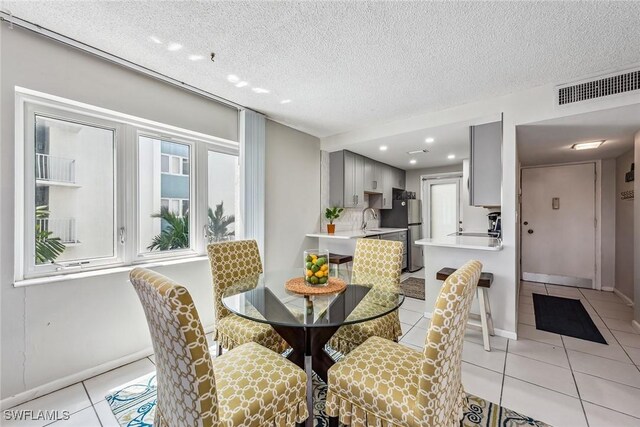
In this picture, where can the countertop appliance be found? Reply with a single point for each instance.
(407, 213)
(495, 223)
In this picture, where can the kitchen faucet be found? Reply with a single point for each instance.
(364, 214)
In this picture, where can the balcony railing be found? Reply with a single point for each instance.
(63, 228)
(56, 169)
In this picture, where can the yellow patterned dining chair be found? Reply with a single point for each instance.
(383, 383)
(232, 262)
(248, 386)
(376, 263)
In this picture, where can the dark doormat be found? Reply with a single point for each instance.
(565, 316)
(413, 287)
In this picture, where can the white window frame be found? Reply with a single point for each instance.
(178, 138)
(127, 129)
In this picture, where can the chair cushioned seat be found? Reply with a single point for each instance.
(232, 331)
(375, 384)
(257, 387)
(348, 337)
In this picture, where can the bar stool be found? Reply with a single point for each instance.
(336, 260)
(486, 321)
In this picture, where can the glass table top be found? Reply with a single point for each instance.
(264, 298)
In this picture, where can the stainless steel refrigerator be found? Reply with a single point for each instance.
(407, 214)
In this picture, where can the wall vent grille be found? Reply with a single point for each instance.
(607, 86)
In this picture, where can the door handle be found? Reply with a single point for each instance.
(530, 231)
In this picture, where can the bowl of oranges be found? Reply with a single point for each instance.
(316, 267)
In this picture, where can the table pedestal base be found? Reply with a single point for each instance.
(308, 353)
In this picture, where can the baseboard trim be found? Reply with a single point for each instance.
(607, 289)
(498, 332)
(635, 325)
(63, 382)
(626, 299)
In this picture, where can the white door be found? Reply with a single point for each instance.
(558, 224)
(442, 206)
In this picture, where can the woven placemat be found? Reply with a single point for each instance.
(298, 285)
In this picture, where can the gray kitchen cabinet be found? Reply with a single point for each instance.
(387, 187)
(398, 178)
(372, 182)
(485, 171)
(346, 188)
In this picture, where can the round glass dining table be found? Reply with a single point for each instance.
(307, 322)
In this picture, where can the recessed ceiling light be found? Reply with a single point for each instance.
(155, 40)
(383, 148)
(413, 161)
(260, 90)
(195, 57)
(233, 78)
(587, 145)
(429, 140)
(451, 156)
(242, 84)
(174, 47)
(285, 101)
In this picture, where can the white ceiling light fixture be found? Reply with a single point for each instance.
(242, 84)
(413, 161)
(587, 145)
(429, 140)
(285, 101)
(260, 90)
(173, 47)
(233, 78)
(383, 148)
(451, 156)
(155, 40)
(195, 57)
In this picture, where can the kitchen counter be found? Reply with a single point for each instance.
(483, 243)
(356, 234)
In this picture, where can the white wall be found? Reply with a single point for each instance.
(608, 223)
(413, 182)
(636, 233)
(292, 197)
(59, 332)
(524, 107)
(624, 250)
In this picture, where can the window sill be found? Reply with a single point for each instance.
(104, 271)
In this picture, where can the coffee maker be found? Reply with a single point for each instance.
(495, 224)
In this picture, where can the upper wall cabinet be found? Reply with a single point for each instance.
(347, 179)
(353, 175)
(485, 175)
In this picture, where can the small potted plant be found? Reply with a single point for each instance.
(332, 214)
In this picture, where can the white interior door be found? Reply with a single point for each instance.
(558, 224)
(442, 206)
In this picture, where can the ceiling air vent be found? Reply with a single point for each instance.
(598, 88)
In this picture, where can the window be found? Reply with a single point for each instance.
(162, 228)
(223, 196)
(99, 189)
(74, 192)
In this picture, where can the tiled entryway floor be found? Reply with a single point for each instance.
(560, 380)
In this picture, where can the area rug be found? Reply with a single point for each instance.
(565, 316)
(413, 287)
(134, 403)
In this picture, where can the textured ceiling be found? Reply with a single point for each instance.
(345, 65)
(550, 141)
(449, 139)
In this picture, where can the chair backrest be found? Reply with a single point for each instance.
(231, 262)
(378, 263)
(184, 372)
(440, 392)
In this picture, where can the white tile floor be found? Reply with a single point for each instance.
(560, 380)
